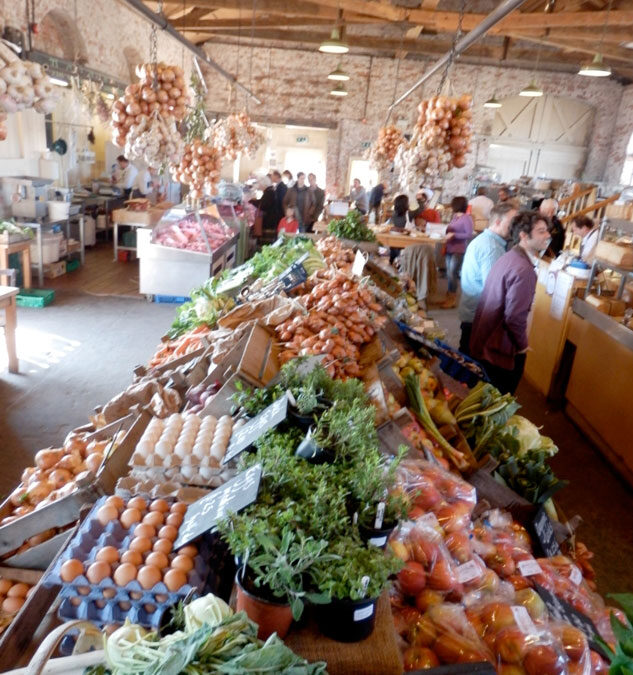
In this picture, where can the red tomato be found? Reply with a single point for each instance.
(427, 598)
(510, 645)
(544, 660)
(419, 658)
(442, 577)
(412, 578)
(422, 633)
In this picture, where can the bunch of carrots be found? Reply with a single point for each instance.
(184, 344)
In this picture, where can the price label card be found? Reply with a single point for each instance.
(294, 275)
(544, 531)
(575, 575)
(429, 519)
(468, 571)
(523, 619)
(359, 264)
(529, 568)
(203, 515)
(248, 433)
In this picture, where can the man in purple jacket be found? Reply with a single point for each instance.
(499, 337)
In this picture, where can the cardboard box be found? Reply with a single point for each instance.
(616, 254)
(148, 218)
(260, 362)
(600, 303)
(55, 269)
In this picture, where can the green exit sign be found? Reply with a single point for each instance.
(302, 139)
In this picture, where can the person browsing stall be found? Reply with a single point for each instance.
(481, 254)
(499, 339)
(289, 223)
(358, 195)
(458, 234)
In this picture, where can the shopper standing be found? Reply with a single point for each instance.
(480, 208)
(358, 195)
(287, 178)
(301, 200)
(375, 200)
(481, 254)
(499, 337)
(503, 194)
(318, 195)
(458, 233)
(548, 209)
(280, 192)
(424, 212)
(266, 209)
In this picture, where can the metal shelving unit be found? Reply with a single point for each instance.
(622, 227)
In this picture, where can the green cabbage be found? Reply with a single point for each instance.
(209, 610)
(529, 436)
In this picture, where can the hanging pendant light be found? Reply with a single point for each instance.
(493, 102)
(339, 90)
(335, 45)
(338, 74)
(596, 68)
(532, 90)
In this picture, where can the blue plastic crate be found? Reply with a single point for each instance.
(171, 299)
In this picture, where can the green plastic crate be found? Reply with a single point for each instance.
(34, 297)
(72, 265)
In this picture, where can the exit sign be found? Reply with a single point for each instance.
(365, 145)
(302, 139)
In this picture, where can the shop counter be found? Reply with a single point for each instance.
(599, 389)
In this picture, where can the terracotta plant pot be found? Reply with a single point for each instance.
(271, 617)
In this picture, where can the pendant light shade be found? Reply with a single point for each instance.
(492, 102)
(338, 74)
(339, 90)
(531, 91)
(596, 68)
(335, 45)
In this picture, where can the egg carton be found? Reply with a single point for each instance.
(202, 477)
(128, 486)
(112, 612)
(93, 536)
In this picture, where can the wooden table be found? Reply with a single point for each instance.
(7, 302)
(394, 240)
(22, 247)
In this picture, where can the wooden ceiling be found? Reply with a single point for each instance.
(565, 33)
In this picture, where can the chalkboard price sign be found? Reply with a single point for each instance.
(203, 515)
(248, 433)
(294, 275)
(483, 668)
(544, 531)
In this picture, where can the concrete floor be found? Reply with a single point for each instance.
(81, 350)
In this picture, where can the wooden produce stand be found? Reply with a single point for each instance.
(24, 249)
(7, 304)
(549, 322)
(134, 220)
(396, 240)
(599, 390)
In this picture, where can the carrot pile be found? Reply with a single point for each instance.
(184, 344)
(342, 316)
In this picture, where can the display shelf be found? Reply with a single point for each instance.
(604, 322)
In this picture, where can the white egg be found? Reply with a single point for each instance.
(205, 461)
(180, 451)
(205, 473)
(163, 448)
(188, 472)
(199, 452)
(170, 460)
(187, 460)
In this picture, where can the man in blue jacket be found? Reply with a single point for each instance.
(499, 338)
(481, 254)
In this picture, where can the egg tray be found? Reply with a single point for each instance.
(111, 612)
(93, 536)
(218, 477)
(128, 486)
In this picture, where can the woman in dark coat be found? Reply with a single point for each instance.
(267, 208)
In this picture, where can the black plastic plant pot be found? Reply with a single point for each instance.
(303, 421)
(347, 620)
(313, 453)
(378, 538)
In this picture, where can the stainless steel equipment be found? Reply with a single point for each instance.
(28, 199)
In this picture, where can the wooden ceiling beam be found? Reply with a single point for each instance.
(287, 7)
(611, 53)
(382, 10)
(611, 36)
(267, 20)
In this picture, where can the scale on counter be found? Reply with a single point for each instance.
(29, 199)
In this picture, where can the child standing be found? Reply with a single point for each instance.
(289, 223)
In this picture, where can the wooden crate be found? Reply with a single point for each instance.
(260, 361)
(55, 269)
(148, 218)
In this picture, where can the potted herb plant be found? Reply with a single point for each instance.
(353, 581)
(274, 563)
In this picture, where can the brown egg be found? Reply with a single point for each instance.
(137, 503)
(100, 604)
(75, 602)
(164, 546)
(159, 505)
(179, 507)
(168, 532)
(182, 562)
(125, 606)
(148, 576)
(98, 571)
(70, 569)
(154, 518)
(149, 608)
(5, 585)
(174, 579)
(129, 517)
(107, 513)
(30, 592)
(133, 557)
(83, 590)
(189, 550)
(108, 554)
(109, 592)
(124, 573)
(18, 591)
(12, 605)
(144, 530)
(141, 544)
(115, 501)
(174, 519)
(157, 559)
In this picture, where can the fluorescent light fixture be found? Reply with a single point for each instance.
(492, 102)
(339, 90)
(531, 91)
(59, 82)
(334, 45)
(338, 74)
(596, 68)
(627, 45)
